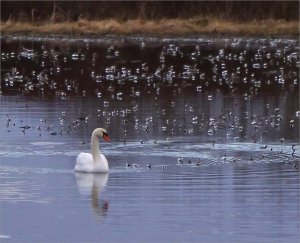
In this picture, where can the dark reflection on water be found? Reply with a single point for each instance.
(133, 67)
(224, 165)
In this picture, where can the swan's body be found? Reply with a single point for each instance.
(94, 162)
(86, 163)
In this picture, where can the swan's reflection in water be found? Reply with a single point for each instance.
(92, 184)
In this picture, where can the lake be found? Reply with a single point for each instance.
(204, 139)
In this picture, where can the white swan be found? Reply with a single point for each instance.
(94, 162)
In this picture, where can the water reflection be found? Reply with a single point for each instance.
(92, 184)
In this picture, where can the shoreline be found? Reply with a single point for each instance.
(157, 28)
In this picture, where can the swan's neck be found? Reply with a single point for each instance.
(95, 148)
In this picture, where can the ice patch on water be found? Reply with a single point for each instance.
(23, 169)
(46, 143)
(4, 236)
(17, 192)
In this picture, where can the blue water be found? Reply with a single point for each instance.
(216, 163)
(241, 192)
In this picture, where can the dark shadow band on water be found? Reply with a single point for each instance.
(116, 66)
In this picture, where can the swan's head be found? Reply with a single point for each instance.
(101, 133)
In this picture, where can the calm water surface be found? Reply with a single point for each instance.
(224, 165)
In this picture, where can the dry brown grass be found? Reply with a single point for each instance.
(159, 27)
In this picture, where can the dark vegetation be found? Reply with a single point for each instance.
(59, 11)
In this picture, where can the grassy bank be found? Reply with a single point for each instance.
(155, 27)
